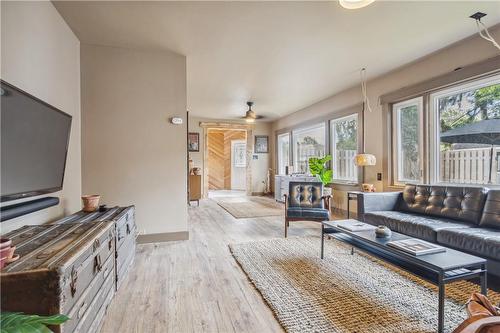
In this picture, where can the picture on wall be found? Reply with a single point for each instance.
(261, 144)
(194, 141)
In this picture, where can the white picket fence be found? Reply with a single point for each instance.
(344, 168)
(470, 166)
(304, 152)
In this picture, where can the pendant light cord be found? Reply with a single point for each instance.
(366, 103)
(485, 34)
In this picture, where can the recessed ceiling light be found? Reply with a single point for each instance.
(355, 4)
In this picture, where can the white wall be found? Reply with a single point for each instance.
(263, 161)
(259, 166)
(131, 153)
(41, 55)
(468, 51)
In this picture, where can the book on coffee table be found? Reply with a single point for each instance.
(355, 226)
(416, 246)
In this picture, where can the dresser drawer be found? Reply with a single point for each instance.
(93, 317)
(83, 305)
(124, 259)
(125, 226)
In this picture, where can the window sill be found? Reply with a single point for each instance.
(347, 183)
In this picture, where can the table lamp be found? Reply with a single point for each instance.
(363, 160)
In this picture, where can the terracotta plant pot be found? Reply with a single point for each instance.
(5, 242)
(14, 258)
(90, 202)
(6, 253)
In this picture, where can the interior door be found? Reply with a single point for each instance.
(238, 164)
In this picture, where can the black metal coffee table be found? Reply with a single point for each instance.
(438, 268)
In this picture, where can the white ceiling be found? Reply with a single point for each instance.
(281, 55)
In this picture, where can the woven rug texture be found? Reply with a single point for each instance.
(343, 292)
(248, 207)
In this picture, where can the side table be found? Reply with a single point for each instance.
(351, 195)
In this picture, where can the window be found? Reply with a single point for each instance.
(344, 145)
(307, 142)
(466, 133)
(283, 152)
(408, 141)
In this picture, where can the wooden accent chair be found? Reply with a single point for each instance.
(306, 202)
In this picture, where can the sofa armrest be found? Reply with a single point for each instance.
(372, 202)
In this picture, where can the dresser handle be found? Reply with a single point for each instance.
(128, 229)
(110, 243)
(81, 311)
(97, 263)
(74, 279)
(96, 245)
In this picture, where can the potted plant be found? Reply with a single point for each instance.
(318, 168)
(15, 322)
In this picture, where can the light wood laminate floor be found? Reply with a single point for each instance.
(196, 285)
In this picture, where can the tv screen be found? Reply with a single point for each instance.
(34, 143)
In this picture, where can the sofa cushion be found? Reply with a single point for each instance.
(315, 213)
(415, 225)
(484, 242)
(453, 202)
(491, 212)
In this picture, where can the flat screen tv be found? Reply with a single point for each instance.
(34, 144)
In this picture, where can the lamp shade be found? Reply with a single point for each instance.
(355, 4)
(365, 159)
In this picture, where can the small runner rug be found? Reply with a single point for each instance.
(248, 207)
(345, 293)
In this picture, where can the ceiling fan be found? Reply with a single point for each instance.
(250, 115)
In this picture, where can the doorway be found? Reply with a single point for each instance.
(226, 159)
(238, 164)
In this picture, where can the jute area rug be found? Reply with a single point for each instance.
(344, 292)
(248, 207)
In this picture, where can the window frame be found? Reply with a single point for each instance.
(289, 135)
(434, 134)
(332, 150)
(396, 142)
(298, 130)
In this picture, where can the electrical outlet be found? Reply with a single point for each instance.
(379, 176)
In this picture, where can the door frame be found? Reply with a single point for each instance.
(250, 142)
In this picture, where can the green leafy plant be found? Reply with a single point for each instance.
(318, 169)
(18, 322)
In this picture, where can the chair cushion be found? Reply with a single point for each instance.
(484, 242)
(315, 213)
(453, 202)
(305, 194)
(415, 225)
(491, 212)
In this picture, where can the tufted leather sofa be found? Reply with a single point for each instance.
(463, 218)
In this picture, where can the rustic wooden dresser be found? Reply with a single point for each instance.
(72, 266)
(125, 230)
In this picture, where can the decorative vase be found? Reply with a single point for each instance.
(368, 187)
(6, 251)
(327, 190)
(5, 242)
(383, 232)
(90, 202)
